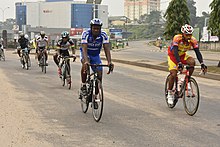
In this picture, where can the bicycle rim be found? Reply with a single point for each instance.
(3, 56)
(27, 61)
(64, 75)
(69, 77)
(84, 103)
(97, 111)
(166, 93)
(191, 98)
(44, 64)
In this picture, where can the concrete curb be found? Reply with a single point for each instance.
(212, 76)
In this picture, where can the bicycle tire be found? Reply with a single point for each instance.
(23, 61)
(2, 55)
(26, 61)
(166, 93)
(63, 74)
(29, 60)
(191, 101)
(69, 76)
(44, 63)
(97, 112)
(84, 102)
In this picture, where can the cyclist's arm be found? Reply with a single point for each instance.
(198, 55)
(84, 51)
(176, 54)
(72, 47)
(107, 52)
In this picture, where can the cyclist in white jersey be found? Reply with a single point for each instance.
(42, 45)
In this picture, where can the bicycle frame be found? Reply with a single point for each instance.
(184, 85)
(66, 75)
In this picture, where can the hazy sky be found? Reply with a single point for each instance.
(116, 7)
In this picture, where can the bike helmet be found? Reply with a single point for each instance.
(187, 29)
(96, 21)
(21, 34)
(65, 34)
(26, 36)
(42, 34)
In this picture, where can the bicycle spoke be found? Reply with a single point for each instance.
(97, 102)
(191, 97)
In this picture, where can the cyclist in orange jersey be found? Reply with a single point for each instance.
(177, 56)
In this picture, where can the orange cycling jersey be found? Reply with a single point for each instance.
(183, 46)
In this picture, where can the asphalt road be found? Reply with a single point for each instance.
(135, 112)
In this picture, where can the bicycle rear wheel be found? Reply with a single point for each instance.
(97, 101)
(191, 97)
(166, 93)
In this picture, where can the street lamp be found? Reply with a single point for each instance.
(3, 12)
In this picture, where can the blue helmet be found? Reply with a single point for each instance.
(96, 21)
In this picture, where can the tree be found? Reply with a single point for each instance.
(214, 21)
(192, 10)
(177, 14)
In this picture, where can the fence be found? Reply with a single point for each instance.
(209, 46)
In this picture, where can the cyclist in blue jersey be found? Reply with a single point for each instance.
(92, 42)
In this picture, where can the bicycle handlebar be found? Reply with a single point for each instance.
(111, 67)
(195, 67)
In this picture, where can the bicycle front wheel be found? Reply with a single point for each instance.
(3, 55)
(97, 101)
(27, 61)
(191, 97)
(68, 76)
(44, 64)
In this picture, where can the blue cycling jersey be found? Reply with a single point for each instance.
(94, 46)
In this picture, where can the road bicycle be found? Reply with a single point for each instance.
(65, 70)
(2, 55)
(185, 88)
(25, 59)
(94, 94)
(42, 61)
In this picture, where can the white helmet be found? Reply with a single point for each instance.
(26, 36)
(187, 29)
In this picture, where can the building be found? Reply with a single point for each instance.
(133, 9)
(59, 14)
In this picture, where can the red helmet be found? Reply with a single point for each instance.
(187, 29)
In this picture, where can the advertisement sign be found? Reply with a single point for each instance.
(76, 31)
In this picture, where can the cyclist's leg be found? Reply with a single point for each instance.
(66, 53)
(19, 52)
(173, 72)
(97, 60)
(55, 59)
(83, 75)
(46, 55)
(191, 62)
